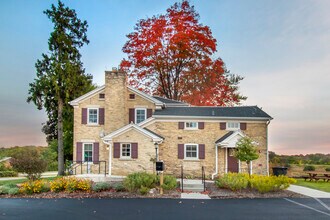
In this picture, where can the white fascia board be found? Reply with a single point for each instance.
(183, 117)
(87, 95)
(234, 135)
(146, 96)
(225, 142)
(128, 128)
(146, 122)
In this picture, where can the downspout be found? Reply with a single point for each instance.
(216, 162)
(267, 155)
(110, 156)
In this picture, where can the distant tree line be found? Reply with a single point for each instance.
(320, 159)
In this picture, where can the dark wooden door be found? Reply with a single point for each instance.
(232, 162)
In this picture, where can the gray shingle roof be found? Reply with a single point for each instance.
(169, 101)
(235, 112)
(154, 133)
(224, 137)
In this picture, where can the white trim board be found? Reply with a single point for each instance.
(130, 127)
(87, 95)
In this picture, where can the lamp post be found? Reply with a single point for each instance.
(156, 148)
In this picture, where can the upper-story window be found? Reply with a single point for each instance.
(93, 116)
(101, 96)
(140, 115)
(191, 125)
(233, 125)
(131, 96)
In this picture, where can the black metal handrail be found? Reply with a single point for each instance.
(203, 178)
(181, 178)
(81, 163)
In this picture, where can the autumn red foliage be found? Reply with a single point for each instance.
(170, 55)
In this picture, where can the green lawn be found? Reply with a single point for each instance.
(319, 185)
(5, 182)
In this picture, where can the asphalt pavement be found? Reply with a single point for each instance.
(303, 208)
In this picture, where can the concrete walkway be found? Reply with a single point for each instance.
(194, 196)
(23, 176)
(309, 192)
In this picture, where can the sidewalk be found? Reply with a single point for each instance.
(309, 192)
(194, 196)
(23, 176)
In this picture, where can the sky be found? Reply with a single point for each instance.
(280, 47)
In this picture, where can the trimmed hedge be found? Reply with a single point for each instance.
(327, 169)
(8, 173)
(142, 182)
(309, 168)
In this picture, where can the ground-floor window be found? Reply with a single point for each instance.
(88, 152)
(125, 151)
(191, 151)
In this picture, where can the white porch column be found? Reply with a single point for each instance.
(226, 164)
(110, 158)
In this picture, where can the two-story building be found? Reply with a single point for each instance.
(128, 129)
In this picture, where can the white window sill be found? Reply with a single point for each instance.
(191, 129)
(126, 159)
(191, 160)
(232, 129)
(93, 125)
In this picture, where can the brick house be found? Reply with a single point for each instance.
(126, 129)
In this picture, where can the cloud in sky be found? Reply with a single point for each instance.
(280, 47)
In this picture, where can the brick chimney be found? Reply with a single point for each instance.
(115, 99)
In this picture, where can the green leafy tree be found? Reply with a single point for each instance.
(29, 161)
(246, 151)
(60, 74)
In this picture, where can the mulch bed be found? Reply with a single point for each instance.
(213, 191)
(103, 194)
(216, 193)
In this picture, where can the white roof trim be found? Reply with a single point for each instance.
(138, 92)
(210, 117)
(146, 122)
(87, 95)
(130, 127)
(144, 95)
(225, 142)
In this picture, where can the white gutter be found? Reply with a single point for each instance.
(216, 162)
(267, 154)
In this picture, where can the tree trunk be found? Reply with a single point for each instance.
(249, 168)
(60, 154)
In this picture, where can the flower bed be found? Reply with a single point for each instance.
(135, 186)
(263, 184)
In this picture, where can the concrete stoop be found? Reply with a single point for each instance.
(192, 185)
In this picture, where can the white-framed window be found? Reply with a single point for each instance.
(140, 115)
(88, 152)
(191, 151)
(126, 151)
(191, 125)
(233, 125)
(93, 116)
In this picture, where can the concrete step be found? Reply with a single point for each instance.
(194, 196)
(188, 189)
(197, 187)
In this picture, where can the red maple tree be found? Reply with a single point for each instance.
(170, 55)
